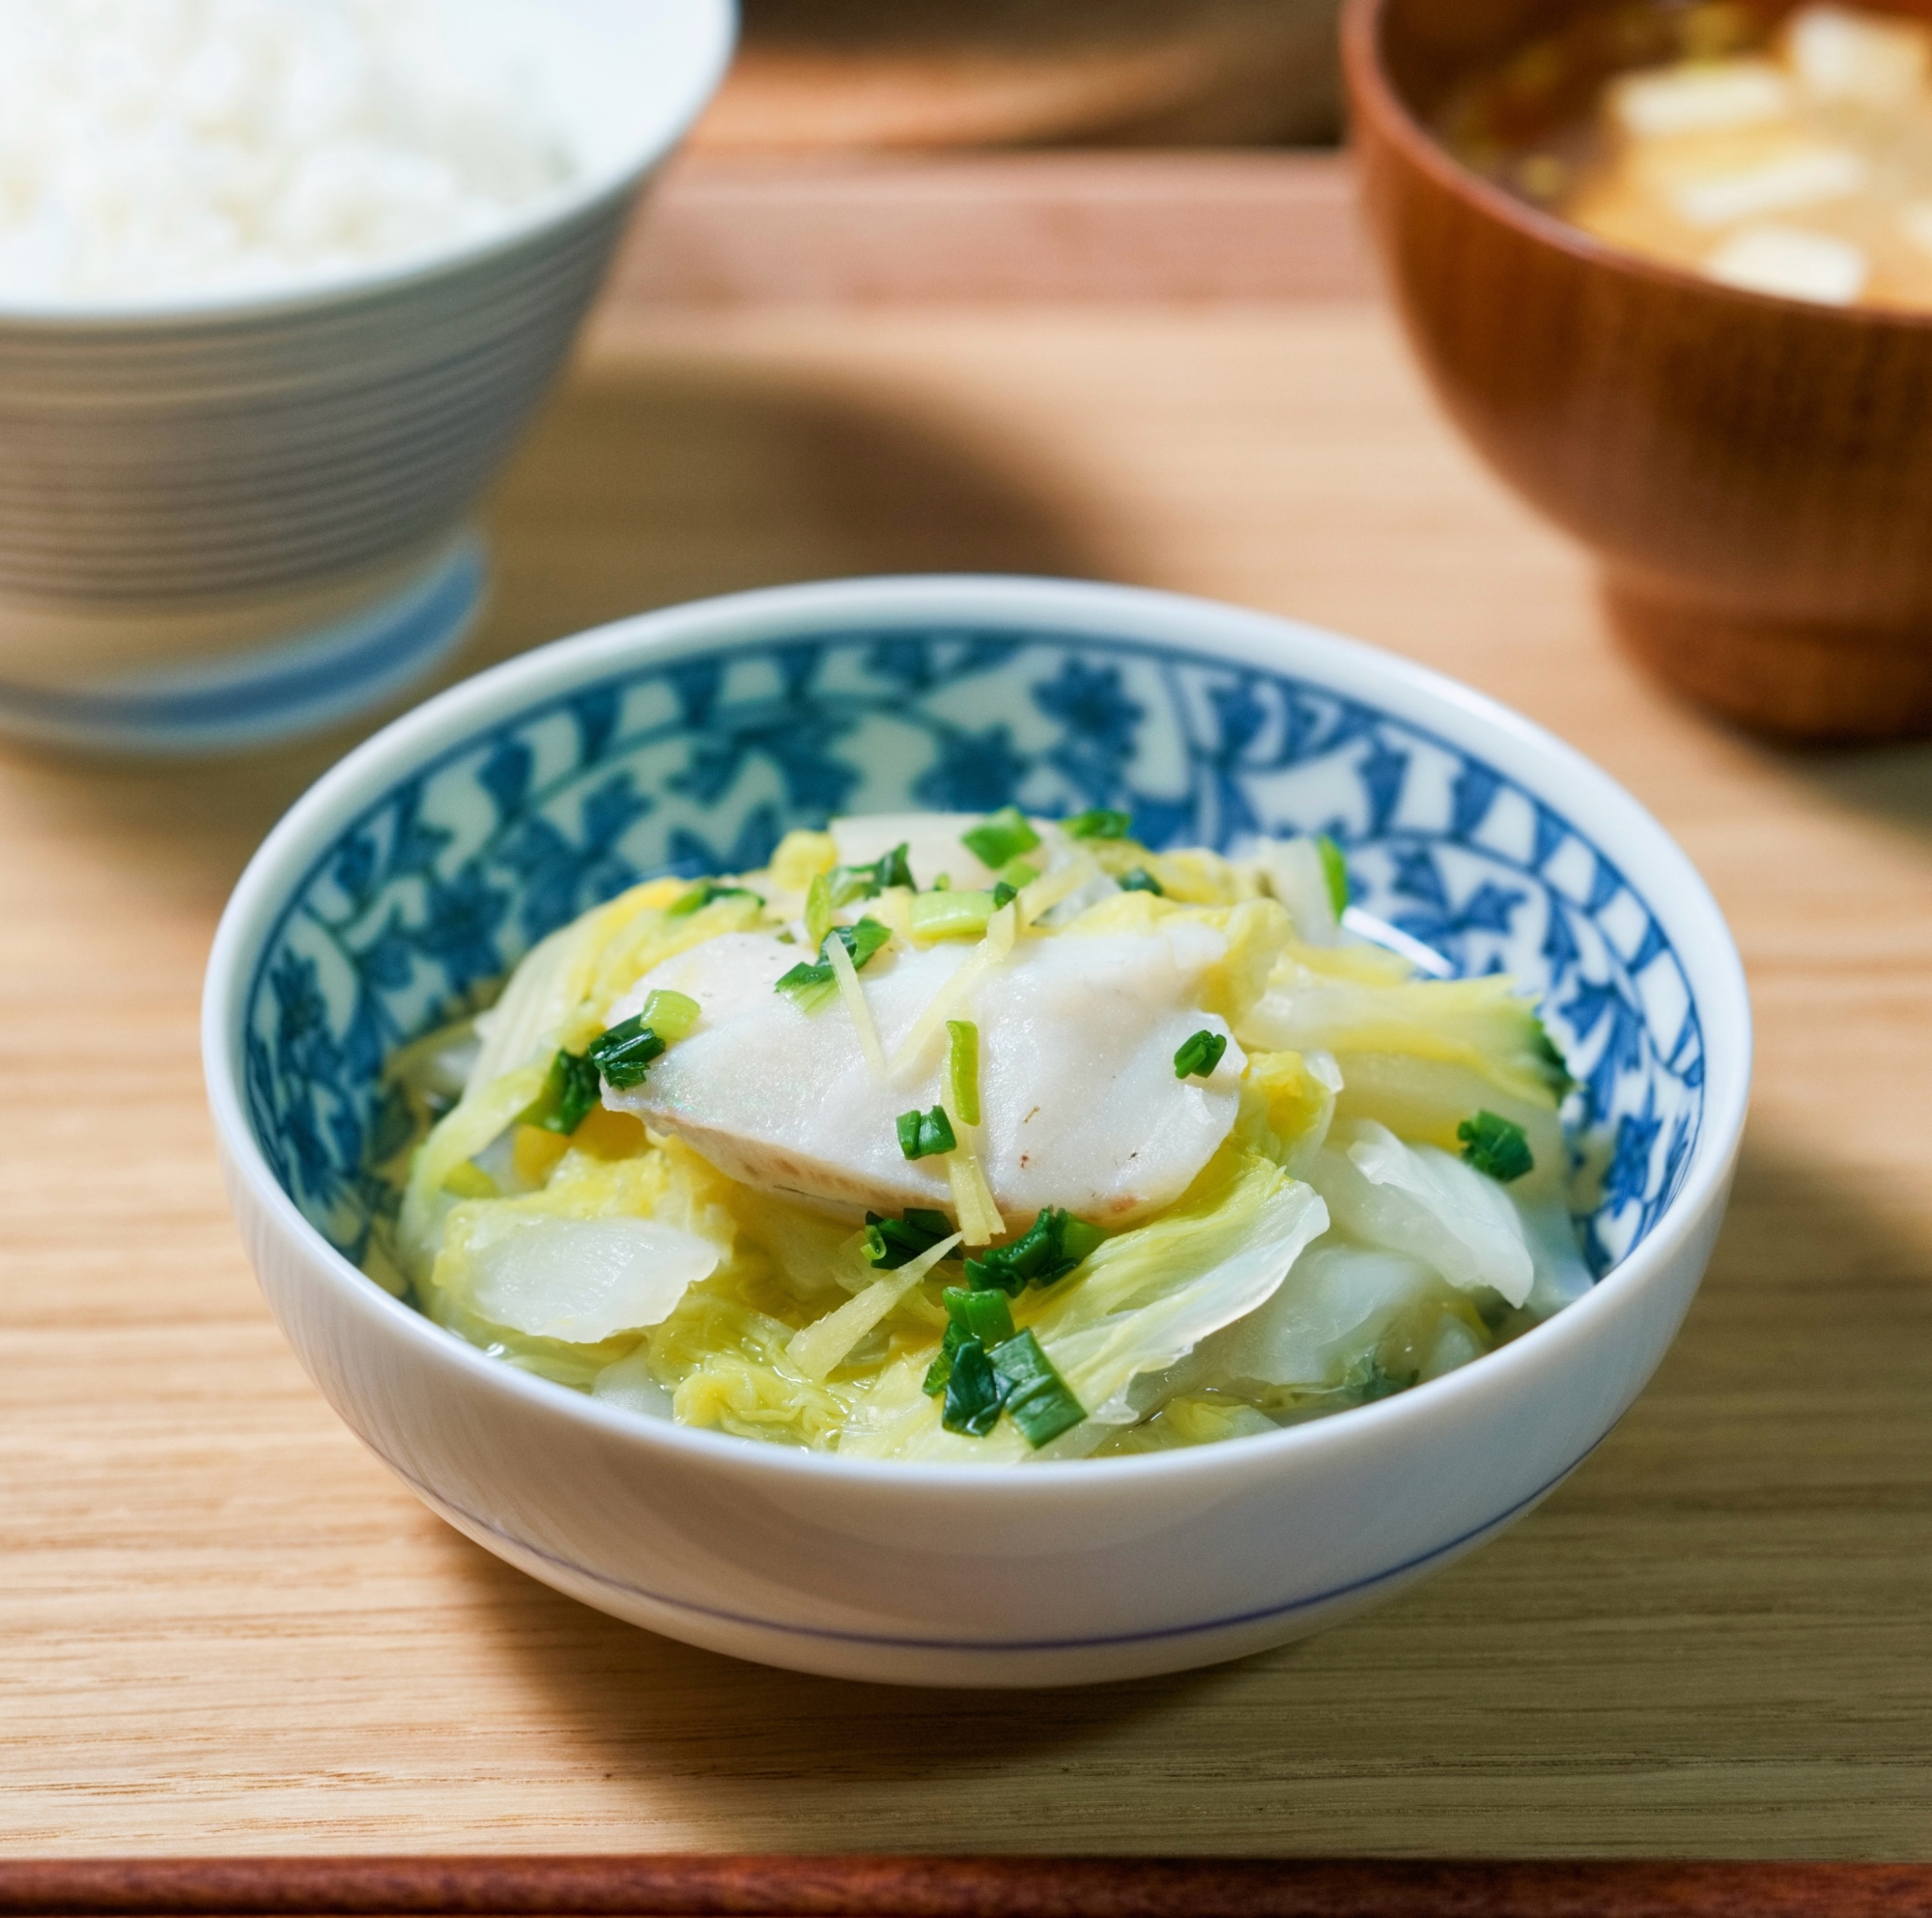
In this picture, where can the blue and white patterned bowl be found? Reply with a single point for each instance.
(690, 740)
(229, 518)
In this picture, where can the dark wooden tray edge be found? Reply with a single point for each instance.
(951, 1887)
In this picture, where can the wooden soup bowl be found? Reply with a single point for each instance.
(1754, 473)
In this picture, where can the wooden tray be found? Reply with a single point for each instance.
(224, 1631)
(906, 1887)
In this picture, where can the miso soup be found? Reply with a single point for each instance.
(1785, 153)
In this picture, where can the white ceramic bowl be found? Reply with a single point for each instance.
(228, 519)
(439, 851)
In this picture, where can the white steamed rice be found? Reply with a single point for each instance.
(155, 148)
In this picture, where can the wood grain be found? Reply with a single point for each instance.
(225, 1630)
(1040, 229)
(1756, 474)
(909, 1887)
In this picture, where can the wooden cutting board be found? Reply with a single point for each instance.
(884, 74)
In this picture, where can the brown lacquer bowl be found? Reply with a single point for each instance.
(1754, 473)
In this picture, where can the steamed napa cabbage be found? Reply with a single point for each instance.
(722, 1227)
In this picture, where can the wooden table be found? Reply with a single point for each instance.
(223, 1628)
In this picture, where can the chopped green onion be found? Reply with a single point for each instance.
(975, 1393)
(982, 1316)
(1555, 1067)
(623, 1054)
(1335, 870)
(962, 1068)
(1140, 880)
(924, 1134)
(1001, 836)
(1002, 893)
(811, 985)
(891, 1243)
(816, 984)
(1099, 822)
(570, 1090)
(1036, 1396)
(1050, 1248)
(703, 893)
(1019, 874)
(1200, 1056)
(818, 911)
(670, 1014)
(862, 941)
(1496, 1145)
(950, 914)
(850, 882)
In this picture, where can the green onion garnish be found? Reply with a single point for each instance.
(1140, 880)
(861, 941)
(891, 1243)
(975, 1393)
(670, 1014)
(813, 984)
(922, 1135)
(624, 1052)
(1000, 836)
(1019, 874)
(1036, 1396)
(962, 1068)
(1002, 893)
(1050, 1248)
(703, 893)
(1335, 870)
(1548, 1056)
(1099, 822)
(1496, 1145)
(850, 882)
(1200, 1056)
(570, 1090)
(818, 911)
(1015, 1376)
(950, 914)
(982, 1316)
(816, 984)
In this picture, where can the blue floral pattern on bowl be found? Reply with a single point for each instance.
(699, 764)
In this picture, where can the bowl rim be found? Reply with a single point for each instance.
(713, 40)
(1379, 101)
(1414, 693)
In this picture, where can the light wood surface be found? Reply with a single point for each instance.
(223, 1628)
(1034, 228)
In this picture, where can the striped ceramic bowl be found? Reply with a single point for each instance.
(224, 521)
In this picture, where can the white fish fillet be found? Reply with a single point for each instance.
(1079, 1103)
